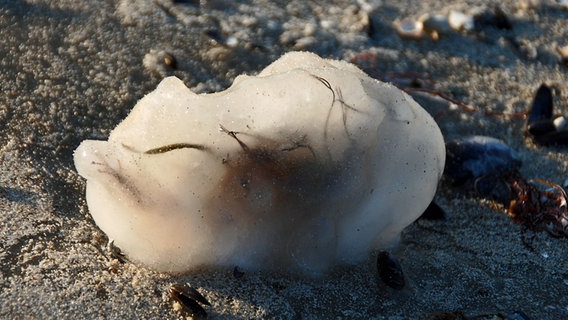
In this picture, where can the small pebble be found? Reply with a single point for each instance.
(169, 60)
(411, 29)
(159, 62)
(460, 21)
(561, 123)
(563, 52)
(563, 4)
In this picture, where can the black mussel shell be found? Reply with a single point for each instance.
(540, 124)
(189, 292)
(540, 117)
(188, 298)
(390, 270)
(552, 138)
(541, 108)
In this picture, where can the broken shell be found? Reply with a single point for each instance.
(115, 252)
(411, 29)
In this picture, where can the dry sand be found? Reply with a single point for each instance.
(71, 70)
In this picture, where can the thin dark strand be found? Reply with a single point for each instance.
(175, 146)
(124, 181)
(464, 106)
(340, 99)
(559, 230)
(551, 184)
(344, 109)
(233, 134)
(337, 96)
(298, 145)
(327, 85)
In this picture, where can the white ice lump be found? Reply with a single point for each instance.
(309, 164)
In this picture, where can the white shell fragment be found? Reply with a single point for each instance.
(560, 123)
(309, 164)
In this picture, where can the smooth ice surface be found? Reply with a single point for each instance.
(309, 164)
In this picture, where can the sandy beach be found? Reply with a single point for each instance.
(72, 70)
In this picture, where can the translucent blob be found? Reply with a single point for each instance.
(309, 164)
